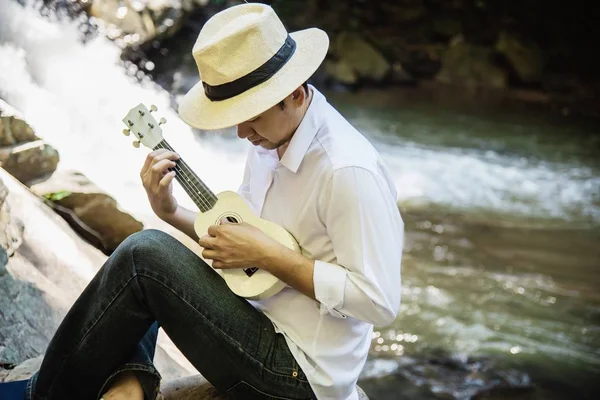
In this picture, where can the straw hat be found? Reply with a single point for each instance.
(248, 63)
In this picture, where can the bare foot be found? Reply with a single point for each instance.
(125, 387)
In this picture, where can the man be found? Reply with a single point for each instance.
(309, 171)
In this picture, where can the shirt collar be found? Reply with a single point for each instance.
(305, 133)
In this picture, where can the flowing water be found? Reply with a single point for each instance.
(502, 207)
(503, 245)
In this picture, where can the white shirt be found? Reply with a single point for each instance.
(331, 191)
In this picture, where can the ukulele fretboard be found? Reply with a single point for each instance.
(202, 196)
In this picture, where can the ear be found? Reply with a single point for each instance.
(298, 96)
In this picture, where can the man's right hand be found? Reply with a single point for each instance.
(157, 181)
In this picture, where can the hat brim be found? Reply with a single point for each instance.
(200, 112)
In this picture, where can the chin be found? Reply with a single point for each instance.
(267, 145)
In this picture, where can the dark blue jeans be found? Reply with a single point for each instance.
(150, 280)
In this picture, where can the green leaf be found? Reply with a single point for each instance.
(57, 195)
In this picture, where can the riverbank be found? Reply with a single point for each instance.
(481, 48)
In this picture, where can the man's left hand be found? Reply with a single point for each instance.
(232, 245)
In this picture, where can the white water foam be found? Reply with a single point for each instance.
(75, 95)
(485, 181)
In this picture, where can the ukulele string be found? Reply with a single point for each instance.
(194, 191)
(203, 187)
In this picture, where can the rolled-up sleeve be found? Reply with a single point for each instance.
(364, 224)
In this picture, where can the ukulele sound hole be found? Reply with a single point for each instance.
(248, 271)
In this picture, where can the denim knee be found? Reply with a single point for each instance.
(142, 245)
(153, 250)
(146, 239)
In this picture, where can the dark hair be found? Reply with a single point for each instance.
(304, 85)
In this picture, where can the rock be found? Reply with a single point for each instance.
(194, 387)
(469, 65)
(11, 229)
(197, 388)
(525, 59)
(135, 21)
(23, 370)
(13, 129)
(32, 308)
(49, 243)
(361, 57)
(400, 74)
(29, 161)
(447, 26)
(341, 72)
(405, 10)
(96, 209)
(445, 376)
(422, 61)
(189, 388)
(361, 393)
(23, 154)
(43, 278)
(3, 258)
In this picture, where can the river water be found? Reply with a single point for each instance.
(502, 209)
(503, 243)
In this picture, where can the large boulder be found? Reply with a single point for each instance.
(29, 161)
(136, 21)
(471, 66)
(341, 72)
(357, 55)
(22, 153)
(188, 388)
(400, 75)
(13, 128)
(197, 388)
(11, 229)
(22, 371)
(526, 59)
(43, 277)
(92, 211)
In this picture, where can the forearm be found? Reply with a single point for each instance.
(183, 220)
(293, 268)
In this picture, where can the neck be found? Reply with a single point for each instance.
(202, 196)
(283, 147)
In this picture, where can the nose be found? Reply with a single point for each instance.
(244, 130)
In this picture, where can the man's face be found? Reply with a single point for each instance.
(274, 127)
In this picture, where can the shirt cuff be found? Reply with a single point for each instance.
(330, 283)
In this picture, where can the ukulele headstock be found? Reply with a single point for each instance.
(140, 121)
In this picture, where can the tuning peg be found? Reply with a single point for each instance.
(153, 108)
(136, 144)
(162, 121)
(126, 132)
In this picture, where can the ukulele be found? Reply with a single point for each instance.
(252, 283)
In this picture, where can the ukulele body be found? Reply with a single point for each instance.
(253, 285)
